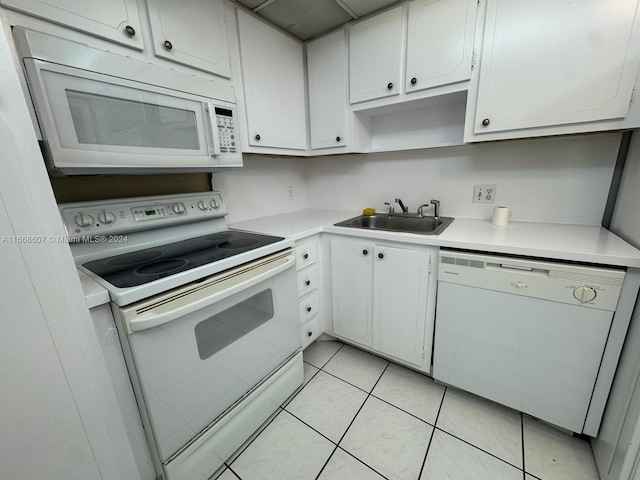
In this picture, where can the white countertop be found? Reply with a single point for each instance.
(581, 243)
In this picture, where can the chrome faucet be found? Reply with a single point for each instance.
(436, 210)
(405, 210)
(391, 209)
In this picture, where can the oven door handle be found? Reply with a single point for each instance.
(151, 319)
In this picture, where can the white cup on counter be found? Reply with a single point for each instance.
(501, 216)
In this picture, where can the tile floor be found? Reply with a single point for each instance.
(361, 417)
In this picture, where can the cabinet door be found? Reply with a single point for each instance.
(439, 42)
(115, 20)
(400, 290)
(327, 70)
(550, 63)
(273, 73)
(191, 32)
(374, 56)
(352, 287)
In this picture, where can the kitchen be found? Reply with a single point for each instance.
(573, 174)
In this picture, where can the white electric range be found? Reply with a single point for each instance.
(207, 319)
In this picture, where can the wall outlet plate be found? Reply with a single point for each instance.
(484, 194)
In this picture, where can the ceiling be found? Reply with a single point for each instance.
(306, 19)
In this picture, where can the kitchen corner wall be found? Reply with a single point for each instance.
(560, 180)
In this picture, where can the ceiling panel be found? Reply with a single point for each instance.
(309, 18)
(364, 7)
(305, 18)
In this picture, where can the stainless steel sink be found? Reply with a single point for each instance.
(395, 223)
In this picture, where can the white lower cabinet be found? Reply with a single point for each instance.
(383, 298)
(309, 292)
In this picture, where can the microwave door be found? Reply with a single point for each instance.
(93, 121)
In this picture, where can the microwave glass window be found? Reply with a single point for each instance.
(224, 328)
(104, 120)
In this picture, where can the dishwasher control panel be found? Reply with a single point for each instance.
(594, 287)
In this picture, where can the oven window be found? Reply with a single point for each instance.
(224, 328)
(104, 120)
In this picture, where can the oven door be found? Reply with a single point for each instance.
(197, 350)
(93, 122)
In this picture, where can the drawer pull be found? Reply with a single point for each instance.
(309, 333)
(305, 256)
(308, 309)
(307, 283)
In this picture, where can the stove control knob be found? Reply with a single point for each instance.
(106, 218)
(83, 220)
(584, 294)
(178, 208)
(214, 204)
(202, 205)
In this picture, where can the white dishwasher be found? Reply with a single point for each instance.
(524, 333)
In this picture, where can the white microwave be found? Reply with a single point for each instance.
(96, 122)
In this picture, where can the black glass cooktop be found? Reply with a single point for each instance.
(144, 266)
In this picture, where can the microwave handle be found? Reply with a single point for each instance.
(212, 129)
(149, 319)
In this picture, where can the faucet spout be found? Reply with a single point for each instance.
(405, 210)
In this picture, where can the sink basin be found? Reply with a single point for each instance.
(423, 225)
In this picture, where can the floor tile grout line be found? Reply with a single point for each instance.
(366, 465)
(333, 355)
(312, 428)
(478, 448)
(327, 462)
(433, 432)
(403, 410)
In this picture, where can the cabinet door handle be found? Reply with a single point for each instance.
(168, 45)
(309, 333)
(389, 86)
(257, 137)
(308, 309)
(338, 139)
(365, 252)
(307, 283)
(305, 256)
(130, 30)
(380, 255)
(414, 80)
(486, 122)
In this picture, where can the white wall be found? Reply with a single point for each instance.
(260, 188)
(563, 179)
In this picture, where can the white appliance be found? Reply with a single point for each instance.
(207, 317)
(102, 113)
(524, 333)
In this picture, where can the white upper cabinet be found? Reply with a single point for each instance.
(273, 75)
(327, 78)
(375, 49)
(554, 63)
(439, 42)
(191, 32)
(115, 20)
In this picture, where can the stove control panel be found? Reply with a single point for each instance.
(83, 220)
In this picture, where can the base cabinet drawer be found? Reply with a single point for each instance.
(310, 331)
(306, 254)
(309, 306)
(308, 280)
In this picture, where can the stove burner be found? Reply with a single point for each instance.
(134, 258)
(161, 266)
(240, 243)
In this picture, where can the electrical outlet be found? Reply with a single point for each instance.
(484, 194)
(290, 191)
